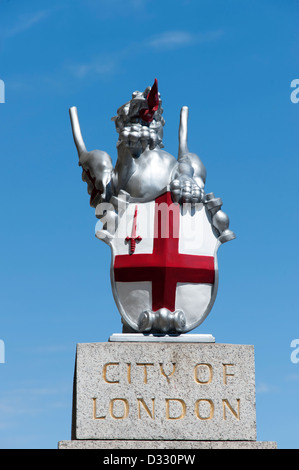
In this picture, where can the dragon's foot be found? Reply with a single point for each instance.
(162, 321)
(185, 190)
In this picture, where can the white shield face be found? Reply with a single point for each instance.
(163, 263)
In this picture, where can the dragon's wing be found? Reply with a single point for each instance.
(96, 165)
(192, 159)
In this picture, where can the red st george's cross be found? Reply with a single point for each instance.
(165, 267)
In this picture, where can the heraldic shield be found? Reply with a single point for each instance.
(164, 270)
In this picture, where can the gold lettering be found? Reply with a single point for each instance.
(144, 364)
(203, 382)
(225, 373)
(236, 414)
(198, 415)
(183, 406)
(140, 401)
(126, 408)
(94, 410)
(105, 372)
(129, 372)
(163, 372)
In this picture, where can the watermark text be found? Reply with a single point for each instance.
(295, 352)
(2, 91)
(2, 351)
(295, 93)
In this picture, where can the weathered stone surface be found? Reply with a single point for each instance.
(98, 444)
(158, 391)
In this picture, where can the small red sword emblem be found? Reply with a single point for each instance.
(133, 238)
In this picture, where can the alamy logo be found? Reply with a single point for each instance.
(2, 91)
(295, 352)
(295, 93)
(2, 352)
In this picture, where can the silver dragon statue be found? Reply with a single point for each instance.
(161, 284)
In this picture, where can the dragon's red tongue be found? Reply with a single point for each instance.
(153, 103)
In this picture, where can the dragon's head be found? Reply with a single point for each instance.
(139, 122)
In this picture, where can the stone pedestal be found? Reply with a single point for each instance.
(170, 395)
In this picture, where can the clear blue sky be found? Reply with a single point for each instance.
(232, 63)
